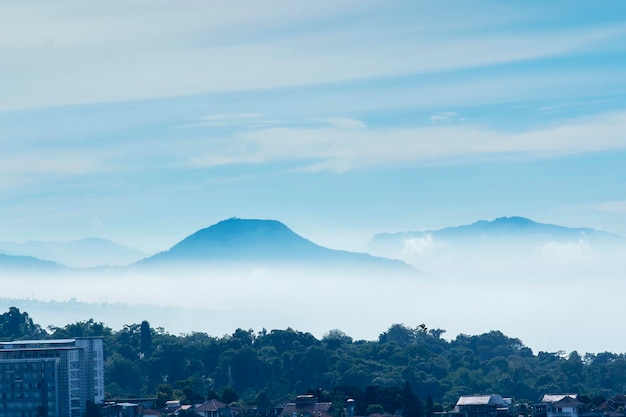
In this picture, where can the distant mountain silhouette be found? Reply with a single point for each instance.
(499, 233)
(251, 241)
(27, 263)
(520, 226)
(80, 253)
(506, 227)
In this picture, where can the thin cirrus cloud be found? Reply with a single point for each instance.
(250, 120)
(338, 144)
(342, 148)
(61, 59)
(443, 117)
(334, 144)
(617, 207)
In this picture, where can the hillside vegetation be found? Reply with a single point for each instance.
(278, 364)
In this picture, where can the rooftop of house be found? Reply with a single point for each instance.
(614, 402)
(555, 398)
(314, 409)
(493, 399)
(567, 401)
(211, 405)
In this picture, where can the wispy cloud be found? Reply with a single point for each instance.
(67, 53)
(336, 144)
(568, 253)
(346, 123)
(35, 163)
(338, 149)
(420, 246)
(618, 207)
(249, 120)
(443, 117)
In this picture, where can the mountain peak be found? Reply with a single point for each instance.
(246, 232)
(518, 220)
(255, 241)
(237, 238)
(238, 225)
(504, 223)
(502, 230)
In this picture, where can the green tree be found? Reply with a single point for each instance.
(397, 333)
(124, 373)
(17, 325)
(212, 395)
(336, 338)
(411, 404)
(263, 402)
(429, 407)
(146, 338)
(229, 395)
(88, 328)
(164, 393)
(375, 409)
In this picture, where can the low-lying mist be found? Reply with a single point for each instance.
(549, 303)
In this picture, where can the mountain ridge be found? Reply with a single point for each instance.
(30, 263)
(507, 225)
(260, 241)
(257, 241)
(502, 242)
(77, 253)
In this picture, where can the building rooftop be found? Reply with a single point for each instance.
(211, 405)
(37, 342)
(567, 401)
(555, 398)
(492, 399)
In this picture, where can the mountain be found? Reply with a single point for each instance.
(521, 227)
(262, 242)
(13, 263)
(502, 228)
(82, 253)
(504, 240)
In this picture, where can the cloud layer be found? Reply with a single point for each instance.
(336, 145)
(73, 53)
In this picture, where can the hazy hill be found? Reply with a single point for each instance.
(27, 263)
(267, 242)
(515, 229)
(504, 243)
(520, 227)
(82, 253)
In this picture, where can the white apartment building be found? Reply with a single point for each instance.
(50, 378)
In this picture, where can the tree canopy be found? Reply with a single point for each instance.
(409, 368)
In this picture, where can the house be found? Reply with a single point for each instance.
(121, 409)
(171, 407)
(214, 408)
(491, 405)
(557, 405)
(184, 408)
(306, 406)
(616, 403)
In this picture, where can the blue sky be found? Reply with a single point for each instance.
(142, 122)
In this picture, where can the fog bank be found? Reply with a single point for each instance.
(548, 309)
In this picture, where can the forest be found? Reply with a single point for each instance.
(264, 367)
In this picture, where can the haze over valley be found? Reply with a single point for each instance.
(507, 273)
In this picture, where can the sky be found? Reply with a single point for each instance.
(144, 121)
(147, 121)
